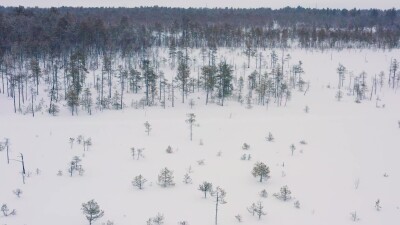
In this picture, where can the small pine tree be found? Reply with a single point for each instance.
(147, 127)
(261, 170)
(187, 179)
(219, 195)
(296, 204)
(17, 192)
(270, 137)
(252, 209)
(205, 187)
(139, 182)
(264, 193)
(260, 210)
(245, 146)
(378, 205)
(169, 149)
(284, 194)
(166, 178)
(92, 211)
(292, 148)
(191, 120)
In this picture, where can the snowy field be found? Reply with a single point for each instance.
(349, 161)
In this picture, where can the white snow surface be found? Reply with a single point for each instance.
(346, 142)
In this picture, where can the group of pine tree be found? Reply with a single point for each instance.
(89, 58)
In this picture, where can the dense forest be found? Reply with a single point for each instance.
(55, 48)
(39, 31)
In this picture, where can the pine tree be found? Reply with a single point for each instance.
(224, 81)
(183, 77)
(219, 195)
(166, 178)
(92, 211)
(191, 120)
(139, 181)
(147, 127)
(209, 78)
(284, 193)
(205, 187)
(261, 170)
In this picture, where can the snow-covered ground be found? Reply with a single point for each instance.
(347, 144)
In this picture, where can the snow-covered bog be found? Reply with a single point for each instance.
(334, 163)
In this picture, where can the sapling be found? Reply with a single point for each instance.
(219, 195)
(205, 187)
(270, 137)
(378, 205)
(17, 192)
(297, 204)
(6, 211)
(92, 211)
(169, 149)
(264, 193)
(187, 179)
(71, 142)
(166, 178)
(147, 127)
(239, 218)
(245, 146)
(284, 194)
(191, 121)
(292, 148)
(158, 219)
(354, 216)
(139, 182)
(261, 170)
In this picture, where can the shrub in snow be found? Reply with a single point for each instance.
(201, 162)
(354, 217)
(378, 205)
(270, 137)
(296, 204)
(6, 211)
(18, 192)
(239, 218)
(169, 149)
(187, 179)
(157, 220)
(263, 193)
(306, 109)
(245, 146)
